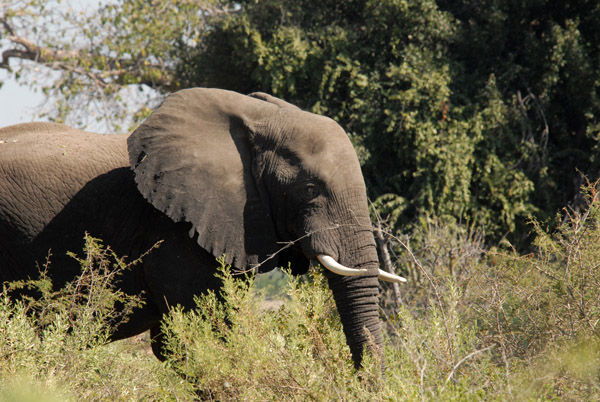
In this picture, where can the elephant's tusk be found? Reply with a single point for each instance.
(337, 268)
(388, 277)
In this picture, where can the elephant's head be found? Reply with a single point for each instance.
(253, 175)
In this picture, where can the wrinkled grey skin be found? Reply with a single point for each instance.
(210, 172)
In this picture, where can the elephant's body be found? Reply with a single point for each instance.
(209, 173)
(86, 185)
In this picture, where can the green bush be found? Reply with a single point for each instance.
(542, 310)
(473, 325)
(231, 348)
(527, 323)
(547, 296)
(55, 346)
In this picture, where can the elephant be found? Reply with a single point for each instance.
(210, 173)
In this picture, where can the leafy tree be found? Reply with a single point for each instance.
(386, 72)
(109, 65)
(472, 111)
(544, 59)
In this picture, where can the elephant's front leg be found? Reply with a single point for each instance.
(175, 274)
(139, 320)
(157, 342)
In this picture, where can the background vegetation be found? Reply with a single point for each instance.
(475, 124)
(480, 112)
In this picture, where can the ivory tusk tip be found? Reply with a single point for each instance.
(389, 277)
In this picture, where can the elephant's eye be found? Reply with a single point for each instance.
(310, 191)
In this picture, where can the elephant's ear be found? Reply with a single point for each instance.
(192, 160)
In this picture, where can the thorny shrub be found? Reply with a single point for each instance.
(542, 310)
(522, 326)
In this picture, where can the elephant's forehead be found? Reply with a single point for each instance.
(323, 147)
(312, 134)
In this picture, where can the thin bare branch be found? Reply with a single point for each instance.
(464, 359)
(435, 289)
(285, 245)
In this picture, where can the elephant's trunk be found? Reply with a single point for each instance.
(357, 303)
(351, 244)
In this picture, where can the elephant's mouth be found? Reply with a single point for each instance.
(331, 264)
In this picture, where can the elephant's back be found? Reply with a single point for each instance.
(30, 143)
(43, 166)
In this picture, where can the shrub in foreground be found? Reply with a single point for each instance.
(231, 348)
(541, 311)
(507, 327)
(55, 346)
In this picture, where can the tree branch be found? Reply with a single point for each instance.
(20, 54)
(382, 240)
(7, 26)
(33, 52)
(63, 60)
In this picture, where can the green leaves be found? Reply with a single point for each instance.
(232, 347)
(477, 111)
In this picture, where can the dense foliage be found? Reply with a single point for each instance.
(479, 111)
(503, 328)
(471, 111)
